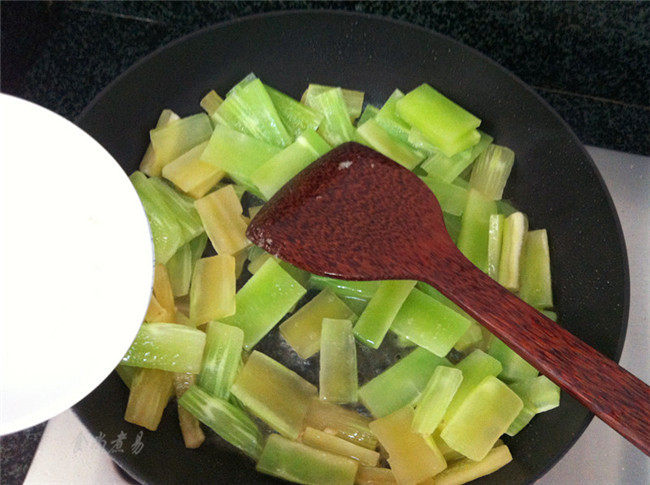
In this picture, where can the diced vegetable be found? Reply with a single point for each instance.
(475, 227)
(465, 470)
(412, 457)
(263, 301)
(443, 122)
(450, 454)
(369, 112)
(448, 168)
(300, 463)
(327, 442)
(302, 330)
(336, 126)
(515, 228)
(273, 393)
(515, 368)
(181, 266)
(191, 174)
(177, 137)
(345, 423)
(157, 313)
(388, 119)
(211, 102)
(297, 117)
(182, 207)
(400, 384)
(149, 164)
(376, 319)
(431, 407)
(166, 346)
(281, 168)
(451, 197)
(357, 289)
(338, 362)
(225, 419)
(491, 171)
(539, 391)
(452, 224)
(471, 339)
(535, 287)
(162, 289)
(495, 241)
(357, 305)
(371, 475)
(505, 207)
(429, 323)
(353, 99)
(150, 392)
(193, 435)
(126, 373)
(382, 141)
(249, 109)
(212, 294)
(475, 367)
(221, 359)
(221, 214)
(238, 154)
(484, 415)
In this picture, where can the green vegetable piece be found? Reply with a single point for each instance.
(452, 198)
(452, 224)
(182, 206)
(368, 113)
(491, 171)
(299, 463)
(344, 423)
(338, 362)
(515, 368)
(506, 208)
(357, 305)
(211, 102)
(357, 289)
(212, 293)
(400, 384)
(372, 475)
(535, 279)
(465, 470)
(181, 266)
(515, 228)
(448, 168)
(281, 168)
(483, 416)
(542, 394)
(302, 330)
(388, 119)
(263, 301)
(225, 419)
(126, 373)
(248, 109)
(475, 227)
(150, 164)
(166, 346)
(550, 314)
(376, 319)
(475, 367)
(295, 116)
(221, 359)
(336, 126)
(353, 99)
(429, 323)
(149, 394)
(322, 440)
(237, 154)
(166, 232)
(444, 123)
(412, 457)
(471, 339)
(177, 137)
(431, 407)
(273, 393)
(382, 141)
(495, 242)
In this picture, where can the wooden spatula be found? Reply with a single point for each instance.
(355, 214)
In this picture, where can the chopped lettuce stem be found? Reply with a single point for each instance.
(150, 392)
(221, 359)
(338, 362)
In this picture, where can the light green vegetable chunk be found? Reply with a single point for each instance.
(515, 368)
(515, 228)
(431, 407)
(429, 323)
(300, 463)
(465, 470)
(302, 330)
(282, 167)
(444, 123)
(273, 393)
(221, 359)
(369, 112)
(297, 117)
(225, 419)
(336, 126)
(495, 241)
(167, 346)
(447, 168)
(177, 137)
(182, 206)
(491, 171)
(471, 339)
(353, 99)
(357, 289)
(378, 316)
(400, 384)
(333, 444)
(484, 415)
(542, 394)
(535, 280)
(342, 422)
(475, 227)
(451, 197)
(263, 301)
(338, 362)
(382, 141)
(389, 120)
(181, 266)
(211, 102)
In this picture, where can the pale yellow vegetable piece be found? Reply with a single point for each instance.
(371, 475)
(327, 442)
(190, 427)
(177, 137)
(339, 421)
(149, 164)
(240, 259)
(157, 313)
(150, 392)
(191, 174)
(466, 470)
(212, 292)
(211, 102)
(412, 457)
(162, 289)
(221, 212)
(257, 262)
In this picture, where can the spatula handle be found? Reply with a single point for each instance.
(609, 391)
